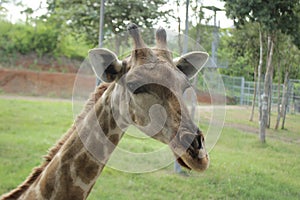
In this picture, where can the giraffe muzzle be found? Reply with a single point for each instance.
(195, 156)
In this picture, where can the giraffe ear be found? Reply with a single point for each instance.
(105, 64)
(191, 63)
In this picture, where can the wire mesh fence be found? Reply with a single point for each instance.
(242, 92)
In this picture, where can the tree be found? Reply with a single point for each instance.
(178, 19)
(241, 46)
(199, 16)
(290, 67)
(82, 16)
(274, 17)
(284, 45)
(257, 71)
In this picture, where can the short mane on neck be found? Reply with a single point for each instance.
(36, 172)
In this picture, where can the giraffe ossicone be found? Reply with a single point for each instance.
(144, 89)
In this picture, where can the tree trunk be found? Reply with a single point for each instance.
(285, 96)
(179, 27)
(259, 72)
(195, 81)
(101, 23)
(263, 121)
(254, 95)
(282, 104)
(279, 114)
(267, 83)
(270, 98)
(198, 20)
(271, 46)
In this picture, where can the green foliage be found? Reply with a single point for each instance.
(6, 45)
(241, 49)
(206, 37)
(297, 89)
(25, 38)
(275, 15)
(83, 16)
(74, 47)
(276, 20)
(287, 55)
(238, 48)
(41, 38)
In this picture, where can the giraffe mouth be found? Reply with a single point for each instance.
(199, 163)
(182, 163)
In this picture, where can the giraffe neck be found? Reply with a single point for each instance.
(75, 168)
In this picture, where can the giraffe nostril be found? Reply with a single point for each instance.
(192, 141)
(199, 140)
(199, 132)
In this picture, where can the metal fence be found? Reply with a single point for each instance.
(295, 95)
(242, 91)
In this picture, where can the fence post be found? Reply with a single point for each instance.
(242, 90)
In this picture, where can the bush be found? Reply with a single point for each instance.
(24, 38)
(43, 39)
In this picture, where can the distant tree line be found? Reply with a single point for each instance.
(70, 28)
(276, 26)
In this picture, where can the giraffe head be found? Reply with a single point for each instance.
(148, 93)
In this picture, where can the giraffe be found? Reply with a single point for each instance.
(149, 76)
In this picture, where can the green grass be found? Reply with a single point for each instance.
(27, 130)
(291, 131)
(241, 167)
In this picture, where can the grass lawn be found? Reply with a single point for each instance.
(241, 167)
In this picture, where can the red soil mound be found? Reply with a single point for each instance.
(32, 83)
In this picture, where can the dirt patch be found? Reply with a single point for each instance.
(205, 97)
(31, 83)
(60, 85)
(54, 77)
